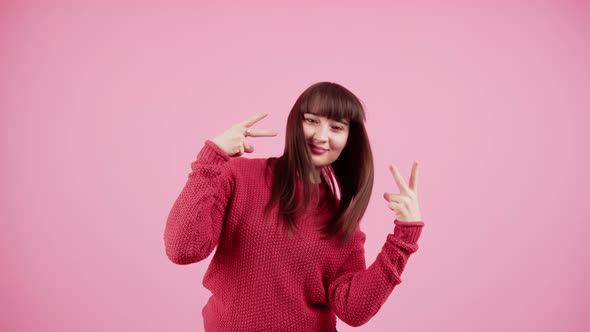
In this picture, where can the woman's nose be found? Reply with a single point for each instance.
(321, 134)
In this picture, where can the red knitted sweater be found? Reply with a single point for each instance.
(260, 278)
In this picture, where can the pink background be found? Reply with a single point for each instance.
(104, 106)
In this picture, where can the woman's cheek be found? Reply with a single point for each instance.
(342, 140)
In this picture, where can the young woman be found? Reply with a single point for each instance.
(290, 251)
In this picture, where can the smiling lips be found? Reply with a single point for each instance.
(316, 149)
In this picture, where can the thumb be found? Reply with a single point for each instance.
(247, 147)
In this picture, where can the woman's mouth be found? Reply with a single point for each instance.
(316, 149)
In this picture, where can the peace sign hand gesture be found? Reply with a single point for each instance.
(233, 141)
(405, 204)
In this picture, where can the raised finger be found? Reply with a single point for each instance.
(253, 119)
(399, 180)
(261, 133)
(414, 177)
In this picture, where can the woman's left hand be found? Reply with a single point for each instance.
(405, 204)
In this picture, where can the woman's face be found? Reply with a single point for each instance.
(326, 138)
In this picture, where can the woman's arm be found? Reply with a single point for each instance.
(196, 219)
(357, 293)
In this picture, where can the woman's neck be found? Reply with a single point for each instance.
(316, 176)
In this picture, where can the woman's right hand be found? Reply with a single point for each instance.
(233, 141)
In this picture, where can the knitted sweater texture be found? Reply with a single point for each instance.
(260, 277)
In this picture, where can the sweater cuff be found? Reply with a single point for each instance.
(408, 231)
(212, 154)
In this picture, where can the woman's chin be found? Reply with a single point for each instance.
(318, 162)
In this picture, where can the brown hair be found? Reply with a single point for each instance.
(352, 172)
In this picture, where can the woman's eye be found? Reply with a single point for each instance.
(337, 128)
(309, 120)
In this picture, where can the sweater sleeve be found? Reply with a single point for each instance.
(357, 293)
(195, 221)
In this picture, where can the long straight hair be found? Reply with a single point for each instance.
(350, 177)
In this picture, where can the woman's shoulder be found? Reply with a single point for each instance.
(245, 163)
(249, 168)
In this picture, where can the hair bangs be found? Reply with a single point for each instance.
(334, 103)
